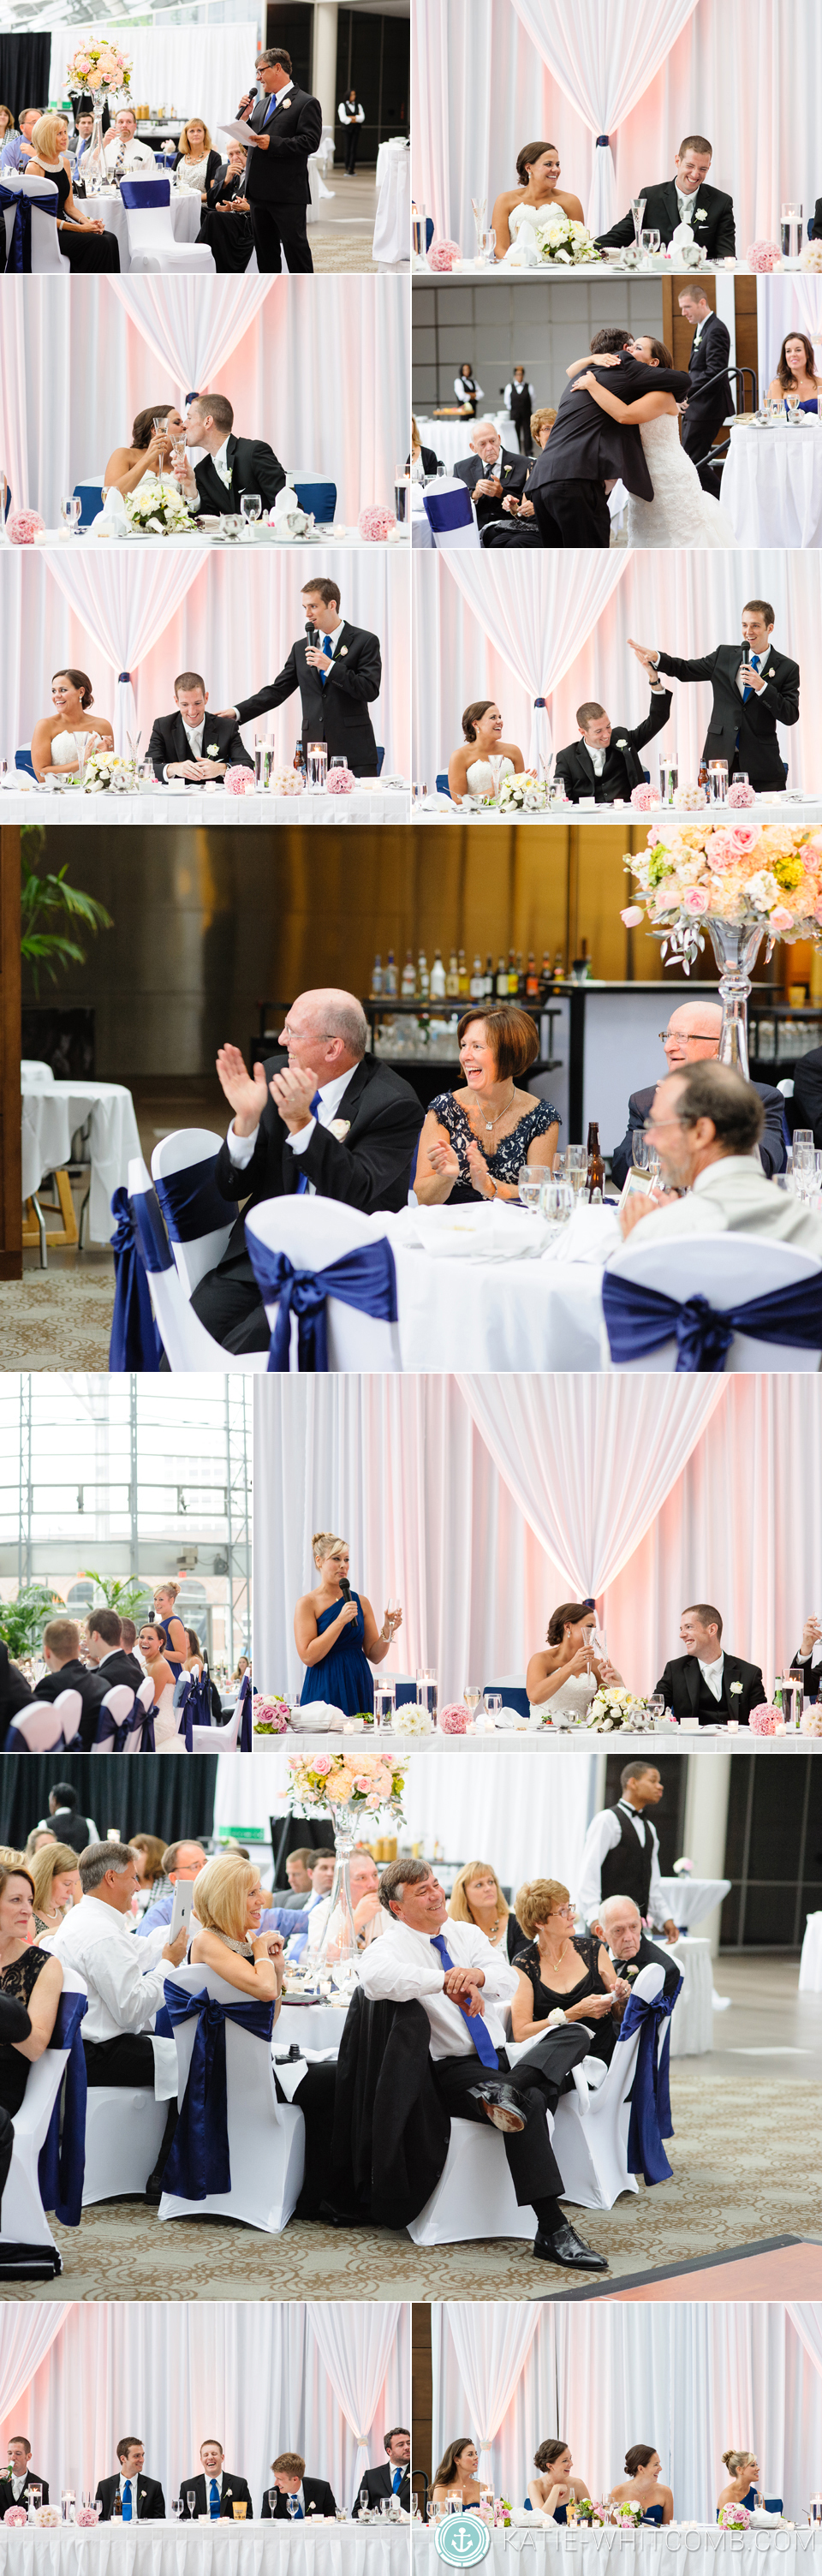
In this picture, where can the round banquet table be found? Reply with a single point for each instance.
(309, 2025)
(692, 2021)
(449, 438)
(189, 806)
(810, 1972)
(482, 1313)
(689, 1899)
(546, 2546)
(798, 813)
(213, 2549)
(392, 228)
(186, 211)
(52, 1111)
(772, 484)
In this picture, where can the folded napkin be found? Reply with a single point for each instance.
(319, 1717)
(488, 1231)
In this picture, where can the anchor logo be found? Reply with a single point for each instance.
(463, 2540)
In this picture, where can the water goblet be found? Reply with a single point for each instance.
(530, 1187)
(292, 2501)
(655, 241)
(402, 495)
(70, 511)
(250, 507)
(645, 244)
(656, 1705)
(495, 765)
(576, 1166)
(640, 1150)
(492, 1702)
(176, 2507)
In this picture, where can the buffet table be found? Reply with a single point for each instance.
(189, 806)
(543, 2545)
(210, 2549)
(772, 482)
(52, 1112)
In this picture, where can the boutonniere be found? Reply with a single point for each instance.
(622, 744)
(343, 651)
(338, 1127)
(212, 749)
(735, 1689)
(701, 215)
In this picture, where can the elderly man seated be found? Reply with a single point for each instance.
(692, 1035)
(705, 1122)
(619, 1924)
(491, 474)
(125, 1980)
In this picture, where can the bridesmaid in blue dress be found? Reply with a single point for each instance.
(743, 2480)
(554, 2487)
(796, 373)
(642, 2485)
(457, 2475)
(176, 1636)
(337, 1638)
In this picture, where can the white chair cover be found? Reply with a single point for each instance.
(728, 1269)
(313, 1232)
(24, 2220)
(119, 1701)
(392, 228)
(592, 2152)
(266, 2138)
(185, 1340)
(187, 1146)
(218, 1739)
(143, 1699)
(152, 247)
(46, 1725)
(125, 2127)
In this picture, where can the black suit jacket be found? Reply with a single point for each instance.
(379, 2483)
(33, 2479)
(707, 360)
(316, 2491)
(92, 1688)
(254, 468)
(772, 1141)
(717, 236)
(681, 1680)
(151, 2503)
(648, 1955)
(805, 1109)
(370, 1168)
(14, 1691)
(815, 228)
(120, 1667)
(511, 472)
(234, 2491)
(623, 767)
(169, 741)
(587, 445)
(754, 720)
(335, 711)
(279, 177)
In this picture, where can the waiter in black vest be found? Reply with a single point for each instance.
(621, 1852)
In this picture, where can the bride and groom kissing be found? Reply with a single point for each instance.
(594, 444)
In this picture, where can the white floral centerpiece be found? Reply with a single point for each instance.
(411, 1719)
(752, 876)
(157, 509)
(523, 794)
(104, 769)
(546, 239)
(613, 1708)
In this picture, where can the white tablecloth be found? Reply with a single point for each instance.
(810, 1972)
(185, 210)
(310, 2025)
(190, 807)
(692, 2025)
(467, 1314)
(449, 438)
(772, 484)
(213, 2549)
(689, 1899)
(547, 2546)
(51, 1113)
(802, 814)
(115, 534)
(392, 228)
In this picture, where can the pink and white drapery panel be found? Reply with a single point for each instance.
(194, 323)
(125, 600)
(604, 55)
(590, 1466)
(355, 2342)
(26, 2336)
(538, 610)
(492, 2344)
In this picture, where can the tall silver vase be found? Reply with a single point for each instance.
(736, 947)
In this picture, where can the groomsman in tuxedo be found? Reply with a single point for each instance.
(709, 352)
(490, 473)
(191, 744)
(288, 124)
(755, 689)
(619, 1925)
(620, 1855)
(141, 2498)
(230, 466)
(605, 762)
(706, 1682)
(20, 2476)
(338, 671)
(393, 2477)
(693, 1033)
(215, 2489)
(809, 1657)
(312, 2496)
(684, 199)
(587, 451)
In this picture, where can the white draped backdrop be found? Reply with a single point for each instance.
(318, 366)
(199, 71)
(484, 1502)
(683, 602)
(746, 73)
(323, 2380)
(526, 1812)
(696, 2379)
(154, 614)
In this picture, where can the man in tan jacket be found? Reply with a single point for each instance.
(706, 1123)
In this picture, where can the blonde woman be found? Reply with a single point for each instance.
(82, 239)
(336, 1633)
(176, 1636)
(562, 1975)
(743, 2480)
(197, 163)
(29, 1976)
(56, 1882)
(476, 1897)
(226, 1930)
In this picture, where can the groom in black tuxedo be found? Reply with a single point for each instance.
(684, 199)
(605, 763)
(289, 124)
(191, 744)
(230, 466)
(755, 689)
(708, 357)
(588, 451)
(338, 671)
(704, 1682)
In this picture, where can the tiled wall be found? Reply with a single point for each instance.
(501, 325)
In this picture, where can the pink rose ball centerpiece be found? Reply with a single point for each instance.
(271, 1716)
(87, 2517)
(442, 255)
(454, 1718)
(764, 1721)
(740, 792)
(23, 526)
(645, 797)
(763, 256)
(734, 2517)
(15, 2517)
(376, 523)
(340, 782)
(238, 781)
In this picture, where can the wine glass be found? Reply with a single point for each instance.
(492, 1703)
(391, 1608)
(530, 1187)
(576, 1167)
(293, 2501)
(250, 507)
(363, 2499)
(176, 2507)
(655, 241)
(645, 244)
(656, 1705)
(472, 1696)
(640, 1150)
(70, 510)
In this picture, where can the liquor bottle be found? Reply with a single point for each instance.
(452, 980)
(489, 979)
(512, 975)
(545, 976)
(477, 988)
(702, 775)
(437, 986)
(596, 1168)
(502, 981)
(532, 978)
(389, 981)
(423, 977)
(462, 971)
(559, 970)
(520, 983)
(117, 2506)
(299, 755)
(409, 980)
(376, 978)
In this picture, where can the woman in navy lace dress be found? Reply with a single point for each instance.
(476, 1139)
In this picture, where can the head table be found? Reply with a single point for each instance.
(798, 813)
(772, 482)
(189, 806)
(547, 2546)
(210, 2549)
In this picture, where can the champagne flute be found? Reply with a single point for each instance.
(495, 766)
(391, 1608)
(472, 1696)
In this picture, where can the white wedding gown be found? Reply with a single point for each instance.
(64, 747)
(167, 1738)
(573, 1700)
(478, 779)
(680, 514)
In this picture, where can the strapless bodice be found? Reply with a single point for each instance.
(479, 781)
(64, 748)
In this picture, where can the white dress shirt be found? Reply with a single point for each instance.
(602, 1837)
(404, 1968)
(712, 1674)
(755, 664)
(241, 1148)
(125, 1978)
(221, 464)
(597, 755)
(369, 1933)
(136, 156)
(687, 205)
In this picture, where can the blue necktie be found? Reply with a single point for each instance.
(473, 2021)
(214, 2501)
(748, 693)
(396, 2481)
(270, 109)
(299, 2516)
(328, 650)
(127, 2500)
(302, 1183)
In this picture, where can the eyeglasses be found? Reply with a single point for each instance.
(688, 1038)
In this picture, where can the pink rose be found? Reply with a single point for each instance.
(363, 1783)
(441, 255)
(693, 899)
(238, 781)
(23, 526)
(322, 1764)
(740, 793)
(631, 916)
(780, 919)
(372, 1802)
(340, 782)
(644, 797)
(375, 523)
(743, 839)
(719, 849)
(454, 1718)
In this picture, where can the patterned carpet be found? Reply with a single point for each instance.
(746, 2167)
(58, 1318)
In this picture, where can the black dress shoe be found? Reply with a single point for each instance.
(567, 2248)
(500, 2103)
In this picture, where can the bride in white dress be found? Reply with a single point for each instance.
(167, 1736)
(564, 1675)
(469, 769)
(680, 514)
(58, 741)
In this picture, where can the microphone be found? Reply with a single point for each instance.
(746, 652)
(312, 633)
(345, 1587)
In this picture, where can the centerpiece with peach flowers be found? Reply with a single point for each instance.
(97, 69)
(740, 881)
(347, 1787)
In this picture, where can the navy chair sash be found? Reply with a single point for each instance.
(61, 2164)
(198, 2167)
(191, 1203)
(639, 1319)
(18, 259)
(650, 2094)
(137, 193)
(195, 1707)
(245, 1739)
(364, 1278)
(446, 511)
(134, 1340)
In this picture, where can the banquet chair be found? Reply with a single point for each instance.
(182, 1169)
(266, 2138)
(314, 494)
(728, 1269)
(125, 2128)
(186, 1342)
(514, 1693)
(24, 2220)
(450, 513)
(46, 1726)
(442, 786)
(218, 1739)
(313, 1232)
(112, 1714)
(151, 244)
(90, 497)
(143, 1703)
(23, 759)
(47, 259)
